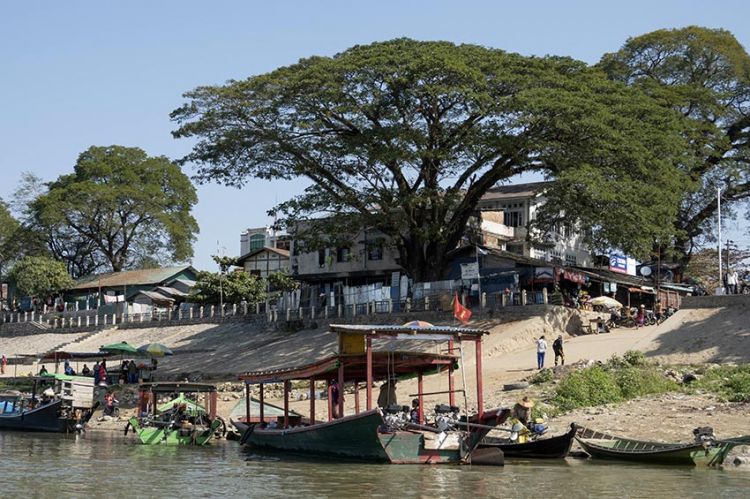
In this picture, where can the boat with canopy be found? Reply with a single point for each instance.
(373, 433)
(182, 420)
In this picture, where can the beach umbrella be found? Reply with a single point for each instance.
(155, 350)
(121, 348)
(606, 301)
(417, 324)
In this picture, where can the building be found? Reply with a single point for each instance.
(169, 282)
(506, 212)
(264, 261)
(263, 237)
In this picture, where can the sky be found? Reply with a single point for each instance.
(80, 73)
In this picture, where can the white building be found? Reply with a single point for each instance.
(506, 212)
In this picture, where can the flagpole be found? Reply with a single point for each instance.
(479, 276)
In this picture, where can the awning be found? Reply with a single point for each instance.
(575, 277)
(646, 291)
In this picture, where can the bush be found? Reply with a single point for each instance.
(634, 358)
(636, 382)
(730, 383)
(541, 377)
(589, 387)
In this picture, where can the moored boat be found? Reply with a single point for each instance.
(604, 446)
(556, 447)
(377, 434)
(57, 404)
(181, 420)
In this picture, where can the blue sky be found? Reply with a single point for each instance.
(82, 73)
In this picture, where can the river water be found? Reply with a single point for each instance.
(49, 465)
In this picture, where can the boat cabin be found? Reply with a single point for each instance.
(148, 396)
(358, 362)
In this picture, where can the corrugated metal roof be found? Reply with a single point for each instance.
(422, 331)
(516, 190)
(167, 291)
(154, 296)
(130, 278)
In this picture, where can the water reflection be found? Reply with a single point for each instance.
(104, 464)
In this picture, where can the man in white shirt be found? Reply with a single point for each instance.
(541, 349)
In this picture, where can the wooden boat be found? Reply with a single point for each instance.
(181, 421)
(373, 435)
(556, 447)
(65, 412)
(603, 446)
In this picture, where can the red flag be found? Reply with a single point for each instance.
(459, 311)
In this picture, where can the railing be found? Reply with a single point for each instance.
(272, 314)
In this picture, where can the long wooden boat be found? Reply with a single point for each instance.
(65, 412)
(604, 446)
(369, 435)
(46, 417)
(556, 447)
(353, 437)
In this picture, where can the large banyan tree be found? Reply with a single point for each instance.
(405, 137)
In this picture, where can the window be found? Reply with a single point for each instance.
(321, 257)
(342, 254)
(570, 259)
(513, 219)
(257, 241)
(375, 252)
(255, 273)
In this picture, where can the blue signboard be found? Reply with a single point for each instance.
(618, 263)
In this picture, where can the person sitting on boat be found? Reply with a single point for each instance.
(109, 404)
(414, 415)
(522, 410)
(69, 370)
(86, 371)
(42, 371)
(47, 396)
(387, 396)
(335, 394)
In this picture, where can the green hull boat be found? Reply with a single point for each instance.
(603, 446)
(168, 435)
(353, 437)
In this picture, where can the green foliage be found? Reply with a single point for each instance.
(621, 378)
(542, 410)
(541, 377)
(235, 286)
(225, 262)
(8, 229)
(37, 276)
(730, 383)
(119, 207)
(404, 137)
(588, 387)
(704, 75)
(282, 281)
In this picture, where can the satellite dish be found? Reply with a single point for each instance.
(645, 271)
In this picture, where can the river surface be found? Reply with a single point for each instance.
(49, 465)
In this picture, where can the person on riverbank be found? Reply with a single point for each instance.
(387, 395)
(132, 373)
(109, 403)
(3, 364)
(102, 372)
(96, 374)
(541, 349)
(640, 317)
(557, 347)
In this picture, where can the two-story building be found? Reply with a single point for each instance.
(506, 212)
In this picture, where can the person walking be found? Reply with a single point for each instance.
(731, 283)
(541, 349)
(557, 347)
(3, 364)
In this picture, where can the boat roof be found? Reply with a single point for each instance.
(178, 386)
(384, 364)
(408, 332)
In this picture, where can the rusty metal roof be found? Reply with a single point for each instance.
(391, 330)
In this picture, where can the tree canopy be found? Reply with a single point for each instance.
(38, 276)
(703, 74)
(235, 287)
(9, 226)
(405, 137)
(120, 208)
